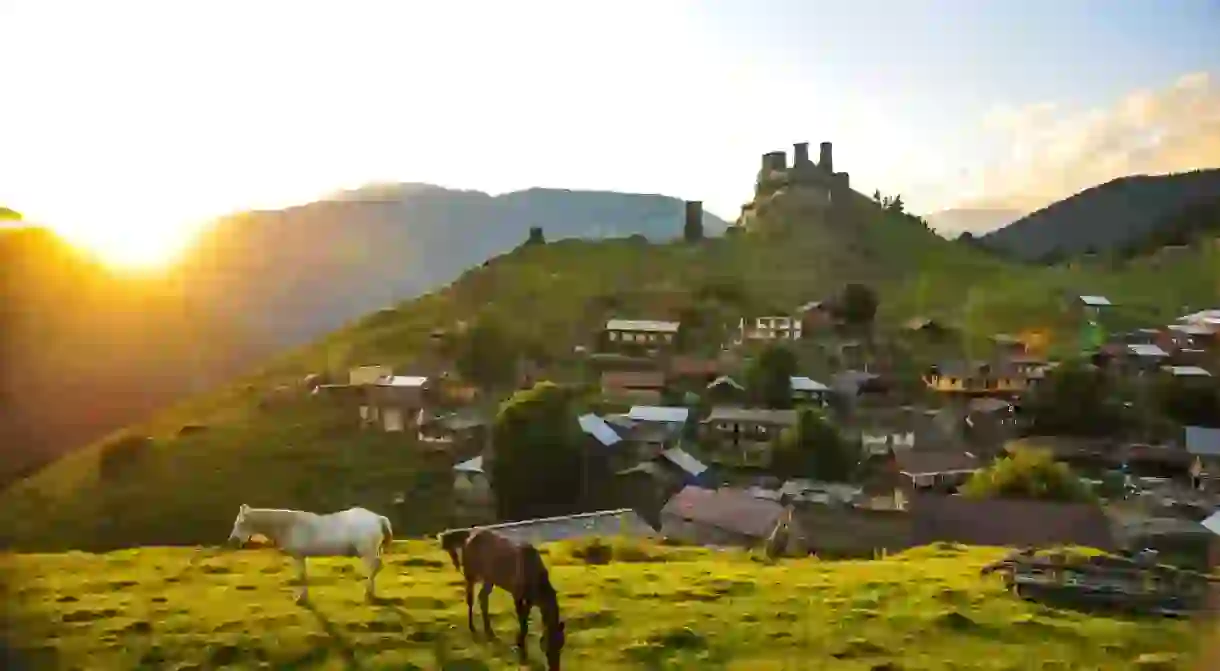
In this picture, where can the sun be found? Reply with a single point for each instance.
(130, 246)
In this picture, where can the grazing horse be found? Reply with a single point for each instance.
(354, 532)
(496, 561)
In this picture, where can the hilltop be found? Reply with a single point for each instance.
(122, 346)
(1103, 217)
(652, 607)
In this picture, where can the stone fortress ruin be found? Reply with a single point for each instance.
(805, 190)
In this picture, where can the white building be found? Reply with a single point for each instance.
(768, 328)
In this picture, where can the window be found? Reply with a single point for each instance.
(614, 335)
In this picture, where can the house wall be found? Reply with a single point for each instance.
(673, 526)
(839, 530)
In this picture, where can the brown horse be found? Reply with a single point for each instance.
(495, 561)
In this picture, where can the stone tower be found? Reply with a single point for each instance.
(826, 158)
(694, 213)
(800, 153)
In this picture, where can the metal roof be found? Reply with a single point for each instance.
(402, 381)
(801, 383)
(649, 325)
(621, 522)
(725, 379)
(658, 413)
(1202, 440)
(761, 415)
(1147, 350)
(598, 428)
(1095, 301)
(472, 466)
(1188, 371)
(1212, 523)
(683, 460)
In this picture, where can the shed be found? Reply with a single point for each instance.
(719, 517)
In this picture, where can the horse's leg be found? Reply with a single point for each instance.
(483, 596)
(523, 627)
(470, 603)
(302, 580)
(372, 562)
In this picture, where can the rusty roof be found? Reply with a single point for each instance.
(728, 509)
(1008, 522)
(636, 379)
(923, 462)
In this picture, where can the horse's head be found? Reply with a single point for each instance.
(552, 645)
(241, 533)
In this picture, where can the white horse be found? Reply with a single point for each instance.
(354, 532)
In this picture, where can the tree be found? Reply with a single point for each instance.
(536, 470)
(814, 448)
(857, 304)
(1192, 401)
(769, 378)
(535, 237)
(9, 214)
(486, 354)
(895, 205)
(966, 237)
(1028, 474)
(1074, 399)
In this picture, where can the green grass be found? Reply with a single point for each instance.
(670, 608)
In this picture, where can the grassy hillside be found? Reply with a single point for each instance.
(255, 284)
(306, 454)
(662, 608)
(1103, 217)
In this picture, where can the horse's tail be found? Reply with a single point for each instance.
(453, 541)
(387, 533)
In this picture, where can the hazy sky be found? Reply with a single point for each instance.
(124, 116)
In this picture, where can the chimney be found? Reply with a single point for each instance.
(826, 158)
(775, 160)
(800, 153)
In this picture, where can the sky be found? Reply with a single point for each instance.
(127, 118)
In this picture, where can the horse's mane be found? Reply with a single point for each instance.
(537, 568)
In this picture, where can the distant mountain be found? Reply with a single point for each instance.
(1104, 217)
(85, 351)
(950, 223)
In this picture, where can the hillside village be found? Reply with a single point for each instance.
(831, 421)
(680, 440)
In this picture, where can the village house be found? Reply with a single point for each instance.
(1186, 371)
(641, 334)
(744, 436)
(937, 470)
(1140, 358)
(633, 386)
(397, 401)
(1203, 445)
(768, 328)
(860, 530)
(648, 485)
(962, 378)
(816, 316)
(1008, 523)
(808, 391)
(473, 498)
(1008, 346)
(719, 517)
(459, 433)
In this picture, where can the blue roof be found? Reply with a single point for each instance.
(653, 413)
(598, 428)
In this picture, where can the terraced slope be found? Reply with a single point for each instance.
(653, 608)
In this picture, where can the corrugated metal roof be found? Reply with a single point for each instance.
(1212, 524)
(1194, 329)
(1203, 441)
(598, 428)
(1147, 350)
(1188, 371)
(802, 383)
(1212, 315)
(725, 379)
(647, 325)
(403, 381)
(472, 466)
(682, 459)
(1095, 301)
(658, 413)
(606, 523)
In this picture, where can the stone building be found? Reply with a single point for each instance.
(804, 190)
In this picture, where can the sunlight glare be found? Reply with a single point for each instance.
(130, 245)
